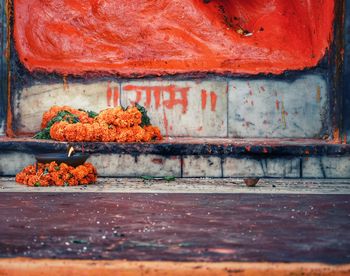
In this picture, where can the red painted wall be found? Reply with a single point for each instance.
(171, 36)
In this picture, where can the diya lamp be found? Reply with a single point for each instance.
(71, 158)
(251, 182)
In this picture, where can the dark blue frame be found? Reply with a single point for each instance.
(3, 65)
(346, 75)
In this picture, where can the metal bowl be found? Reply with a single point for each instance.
(74, 160)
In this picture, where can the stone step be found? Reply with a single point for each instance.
(191, 186)
(194, 157)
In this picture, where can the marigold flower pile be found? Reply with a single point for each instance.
(110, 125)
(52, 174)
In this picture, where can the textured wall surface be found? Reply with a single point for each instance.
(172, 36)
(199, 108)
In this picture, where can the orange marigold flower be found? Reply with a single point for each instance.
(120, 118)
(81, 131)
(80, 172)
(49, 115)
(137, 134)
(59, 175)
(111, 125)
(71, 132)
(153, 132)
(53, 167)
(72, 182)
(57, 131)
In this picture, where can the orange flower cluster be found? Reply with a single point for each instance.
(57, 175)
(49, 115)
(110, 125)
(119, 117)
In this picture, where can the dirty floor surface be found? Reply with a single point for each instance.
(254, 227)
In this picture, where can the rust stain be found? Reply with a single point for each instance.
(157, 160)
(283, 113)
(148, 98)
(277, 105)
(336, 136)
(318, 94)
(116, 97)
(109, 94)
(165, 120)
(65, 83)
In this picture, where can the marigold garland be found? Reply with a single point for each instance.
(52, 174)
(110, 125)
(82, 115)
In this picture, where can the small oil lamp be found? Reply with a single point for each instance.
(71, 157)
(251, 182)
(70, 151)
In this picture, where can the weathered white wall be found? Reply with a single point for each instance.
(199, 108)
(266, 108)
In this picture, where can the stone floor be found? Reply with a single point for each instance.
(192, 186)
(183, 220)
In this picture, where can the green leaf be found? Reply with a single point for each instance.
(147, 177)
(169, 178)
(63, 115)
(145, 120)
(37, 184)
(90, 113)
(43, 134)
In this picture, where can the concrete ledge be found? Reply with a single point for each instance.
(23, 266)
(189, 157)
(188, 146)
